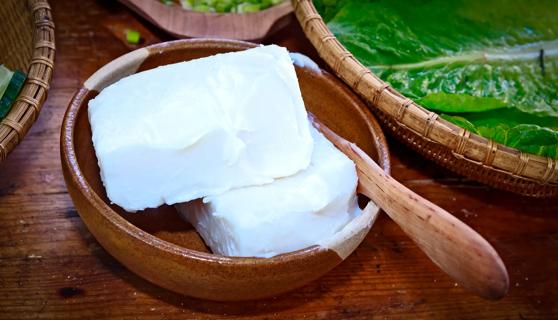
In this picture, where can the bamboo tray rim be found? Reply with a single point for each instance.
(428, 125)
(25, 110)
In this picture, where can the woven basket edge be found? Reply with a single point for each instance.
(19, 120)
(312, 22)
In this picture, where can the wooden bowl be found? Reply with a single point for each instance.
(182, 23)
(167, 251)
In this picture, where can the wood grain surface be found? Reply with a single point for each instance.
(52, 268)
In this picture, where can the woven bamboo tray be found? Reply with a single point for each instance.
(447, 144)
(27, 43)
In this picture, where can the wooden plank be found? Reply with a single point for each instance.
(52, 268)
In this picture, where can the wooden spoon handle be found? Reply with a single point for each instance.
(452, 245)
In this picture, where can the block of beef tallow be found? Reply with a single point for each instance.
(288, 214)
(198, 128)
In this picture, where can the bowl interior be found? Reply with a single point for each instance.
(323, 95)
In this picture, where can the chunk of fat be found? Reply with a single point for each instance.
(199, 128)
(289, 214)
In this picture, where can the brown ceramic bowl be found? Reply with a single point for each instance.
(161, 247)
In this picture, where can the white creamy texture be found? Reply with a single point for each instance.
(303, 61)
(289, 214)
(198, 128)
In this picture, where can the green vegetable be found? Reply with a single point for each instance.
(460, 121)
(12, 91)
(460, 102)
(5, 77)
(247, 7)
(224, 6)
(236, 6)
(132, 36)
(167, 2)
(201, 8)
(475, 61)
(329, 8)
(187, 4)
(530, 138)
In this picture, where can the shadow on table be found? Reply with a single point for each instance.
(461, 195)
(313, 291)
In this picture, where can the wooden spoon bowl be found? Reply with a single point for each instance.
(157, 244)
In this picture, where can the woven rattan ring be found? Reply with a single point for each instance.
(363, 72)
(521, 164)
(310, 18)
(378, 93)
(3, 152)
(40, 5)
(429, 123)
(342, 58)
(33, 103)
(461, 142)
(550, 170)
(43, 23)
(40, 82)
(45, 44)
(403, 109)
(14, 125)
(42, 60)
(491, 148)
(324, 39)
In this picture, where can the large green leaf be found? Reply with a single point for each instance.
(530, 138)
(462, 57)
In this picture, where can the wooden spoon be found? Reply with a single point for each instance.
(189, 24)
(452, 245)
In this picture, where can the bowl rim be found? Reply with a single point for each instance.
(69, 159)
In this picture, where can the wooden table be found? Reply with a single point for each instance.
(51, 266)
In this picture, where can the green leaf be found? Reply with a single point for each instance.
(247, 7)
(459, 102)
(533, 139)
(465, 58)
(5, 77)
(223, 6)
(11, 93)
(329, 8)
(460, 121)
(132, 36)
(529, 138)
(510, 117)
